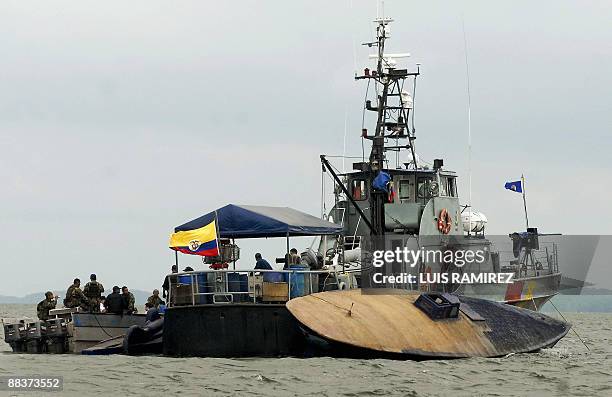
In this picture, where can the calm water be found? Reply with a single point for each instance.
(567, 369)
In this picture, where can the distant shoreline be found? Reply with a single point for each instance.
(32, 299)
(565, 303)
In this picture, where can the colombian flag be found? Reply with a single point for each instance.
(201, 241)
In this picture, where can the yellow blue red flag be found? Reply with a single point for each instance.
(201, 241)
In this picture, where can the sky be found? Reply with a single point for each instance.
(121, 120)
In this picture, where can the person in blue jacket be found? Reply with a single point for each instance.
(261, 263)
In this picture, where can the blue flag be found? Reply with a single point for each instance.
(514, 186)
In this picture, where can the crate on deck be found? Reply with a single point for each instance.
(275, 292)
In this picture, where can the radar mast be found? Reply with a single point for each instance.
(394, 106)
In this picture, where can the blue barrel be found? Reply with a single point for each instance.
(237, 282)
(203, 286)
(184, 279)
(244, 283)
(233, 282)
(274, 277)
(297, 281)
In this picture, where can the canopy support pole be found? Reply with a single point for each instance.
(233, 257)
(176, 258)
(287, 256)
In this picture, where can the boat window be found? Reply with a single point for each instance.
(404, 190)
(448, 187)
(358, 189)
(443, 186)
(452, 187)
(423, 192)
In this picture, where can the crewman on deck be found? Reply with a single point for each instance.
(295, 258)
(155, 300)
(129, 301)
(261, 263)
(43, 307)
(93, 291)
(169, 280)
(114, 302)
(75, 297)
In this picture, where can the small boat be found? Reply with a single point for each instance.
(69, 330)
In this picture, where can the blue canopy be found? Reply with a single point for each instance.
(251, 221)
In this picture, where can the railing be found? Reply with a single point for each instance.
(540, 262)
(227, 286)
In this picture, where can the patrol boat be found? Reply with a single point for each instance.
(417, 204)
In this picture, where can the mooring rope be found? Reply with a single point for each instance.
(573, 329)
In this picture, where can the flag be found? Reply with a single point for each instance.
(516, 186)
(201, 241)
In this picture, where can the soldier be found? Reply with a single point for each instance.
(43, 307)
(114, 302)
(93, 291)
(129, 301)
(155, 300)
(74, 296)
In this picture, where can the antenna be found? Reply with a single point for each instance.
(353, 38)
(344, 140)
(469, 98)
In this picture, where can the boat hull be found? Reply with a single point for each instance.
(389, 323)
(89, 329)
(237, 330)
(528, 292)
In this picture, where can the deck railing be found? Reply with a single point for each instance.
(542, 261)
(226, 286)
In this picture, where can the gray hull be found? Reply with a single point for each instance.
(88, 329)
(529, 292)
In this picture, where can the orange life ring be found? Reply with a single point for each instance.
(445, 222)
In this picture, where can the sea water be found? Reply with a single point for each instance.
(567, 369)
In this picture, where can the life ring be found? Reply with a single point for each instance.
(445, 222)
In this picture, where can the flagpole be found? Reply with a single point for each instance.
(525, 201)
(218, 235)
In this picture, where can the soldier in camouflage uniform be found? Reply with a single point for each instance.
(75, 297)
(43, 307)
(93, 291)
(129, 300)
(155, 300)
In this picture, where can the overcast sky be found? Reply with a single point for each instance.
(121, 120)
